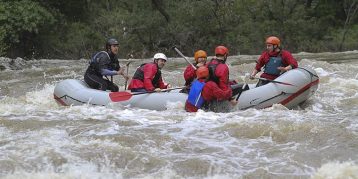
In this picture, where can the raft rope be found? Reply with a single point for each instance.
(66, 96)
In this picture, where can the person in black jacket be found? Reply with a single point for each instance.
(104, 64)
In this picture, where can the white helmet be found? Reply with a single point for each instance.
(160, 56)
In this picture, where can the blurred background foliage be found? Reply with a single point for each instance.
(70, 29)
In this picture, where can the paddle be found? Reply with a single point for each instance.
(127, 66)
(273, 81)
(124, 95)
(243, 86)
(120, 96)
(181, 54)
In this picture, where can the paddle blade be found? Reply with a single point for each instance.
(120, 96)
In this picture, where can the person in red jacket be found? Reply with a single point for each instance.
(275, 61)
(204, 92)
(200, 57)
(148, 76)
(219, 71)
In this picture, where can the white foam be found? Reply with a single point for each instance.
(90, 140)
(337, 170)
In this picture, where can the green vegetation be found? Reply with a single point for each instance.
(75, 29)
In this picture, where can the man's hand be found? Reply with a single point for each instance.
(253, 74)
(233, 102)
(125, 77)
(284, 69)
(120, 71)
(157, 90)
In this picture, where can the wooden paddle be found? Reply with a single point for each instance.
(127, 68)
(124, 95)
(186, 59)
(243, 86)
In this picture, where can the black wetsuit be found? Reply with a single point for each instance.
(102, 64)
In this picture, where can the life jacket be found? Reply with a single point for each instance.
(94, 64)
(273, 64)
(212, 68)
(195, 97)
(139, 75)
(95, 59)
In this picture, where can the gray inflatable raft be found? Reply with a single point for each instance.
(76, 92)
(290, 89)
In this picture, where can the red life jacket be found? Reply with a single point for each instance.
(139, 74)
(219, 73)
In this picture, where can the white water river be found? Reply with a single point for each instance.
(39, 139)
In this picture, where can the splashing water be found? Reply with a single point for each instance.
(39, 139)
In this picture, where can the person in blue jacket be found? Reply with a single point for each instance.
(104, 64)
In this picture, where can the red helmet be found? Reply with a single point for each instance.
(202, 72)
(273, 40)
(221, 50)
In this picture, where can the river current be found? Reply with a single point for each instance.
(40, 139)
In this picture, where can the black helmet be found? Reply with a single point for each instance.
(111, 41)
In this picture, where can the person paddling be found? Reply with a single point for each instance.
(219, 71)
(200, 57)
(148, 76)
(104, 64)
(274, 60)
(203, 92)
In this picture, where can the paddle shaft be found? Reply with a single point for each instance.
(186, 59)
(243, 86)
(125, 84)
(273, 81)
(124, 95)
(242, 90)
(127, 66)
(163, 90)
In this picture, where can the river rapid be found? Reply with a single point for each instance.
(40, 139)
